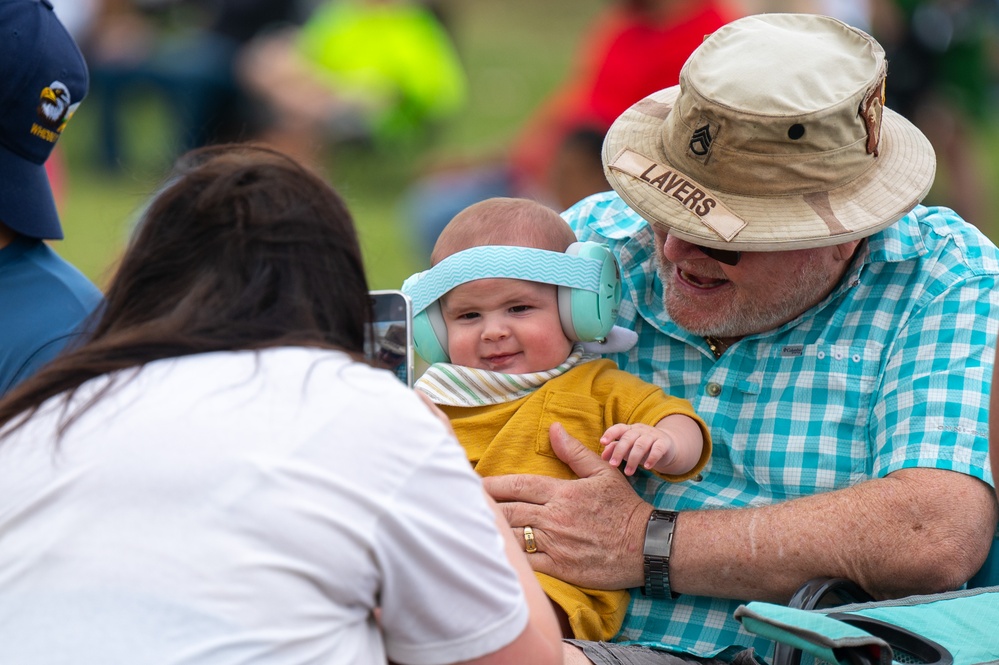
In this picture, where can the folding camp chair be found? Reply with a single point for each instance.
(835, 621)
(956, 628)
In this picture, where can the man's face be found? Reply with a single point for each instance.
(761, 292)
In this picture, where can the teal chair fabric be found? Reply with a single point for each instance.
(835, 621)
(956, 628)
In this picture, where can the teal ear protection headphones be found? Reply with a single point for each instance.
(587, 276)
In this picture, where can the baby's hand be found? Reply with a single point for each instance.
(638, 444)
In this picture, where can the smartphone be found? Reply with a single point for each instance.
(393, 334)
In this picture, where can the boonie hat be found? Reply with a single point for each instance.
(776, 138)
(44, 79)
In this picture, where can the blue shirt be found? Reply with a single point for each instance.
(43, 302)
(892, 370)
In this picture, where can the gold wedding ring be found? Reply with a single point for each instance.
(532, 546)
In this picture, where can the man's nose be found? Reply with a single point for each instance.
(676, 249)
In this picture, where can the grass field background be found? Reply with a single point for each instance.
(514, 51)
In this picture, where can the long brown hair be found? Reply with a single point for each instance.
(242, 248)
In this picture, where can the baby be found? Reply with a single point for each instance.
(513, 371)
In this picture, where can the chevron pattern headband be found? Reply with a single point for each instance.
(501, 261)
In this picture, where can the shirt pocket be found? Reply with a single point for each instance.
(815, 400)
(581, 415)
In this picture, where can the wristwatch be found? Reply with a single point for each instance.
(658, 543)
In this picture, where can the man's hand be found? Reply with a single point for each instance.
(588, 532)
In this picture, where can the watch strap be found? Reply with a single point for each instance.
(656, 552)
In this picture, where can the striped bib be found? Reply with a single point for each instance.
(457, 385)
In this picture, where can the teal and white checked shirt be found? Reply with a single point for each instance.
(892, 370)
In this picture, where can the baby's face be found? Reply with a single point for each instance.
(505, 325)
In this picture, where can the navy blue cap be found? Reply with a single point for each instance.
(44, 78)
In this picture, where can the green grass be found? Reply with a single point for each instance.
(514, 51)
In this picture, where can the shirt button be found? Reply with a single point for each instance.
(713, 389)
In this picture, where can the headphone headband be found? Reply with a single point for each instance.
(502, 261)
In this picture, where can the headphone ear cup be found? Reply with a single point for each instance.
(430, 334)
(588, 316)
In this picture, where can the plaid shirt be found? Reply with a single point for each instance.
(892, 370)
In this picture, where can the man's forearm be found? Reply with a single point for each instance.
(917, 531)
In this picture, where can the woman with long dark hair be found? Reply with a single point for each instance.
(217, 476)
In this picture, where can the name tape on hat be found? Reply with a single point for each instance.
(691, 195)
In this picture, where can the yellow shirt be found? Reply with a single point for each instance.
(513, 438)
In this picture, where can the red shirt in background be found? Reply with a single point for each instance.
(627, 55)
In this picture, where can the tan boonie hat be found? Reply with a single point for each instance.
(775, 139)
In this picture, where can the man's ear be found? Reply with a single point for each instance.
(845, 251)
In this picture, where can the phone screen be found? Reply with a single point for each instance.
(393, 334)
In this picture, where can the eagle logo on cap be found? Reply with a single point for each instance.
(54, 104)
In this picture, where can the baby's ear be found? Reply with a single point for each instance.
(618, 340)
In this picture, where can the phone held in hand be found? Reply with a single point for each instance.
(393, 334)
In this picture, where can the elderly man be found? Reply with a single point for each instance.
(836, 336)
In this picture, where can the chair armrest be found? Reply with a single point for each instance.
(816, 592)
(813, 594)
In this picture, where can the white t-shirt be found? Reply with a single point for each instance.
(248, 508)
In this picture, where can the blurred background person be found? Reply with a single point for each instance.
(631, 49)
(942, 72)
(183, 52)
(381, 71)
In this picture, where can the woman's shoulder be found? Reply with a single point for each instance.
(296, 375)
